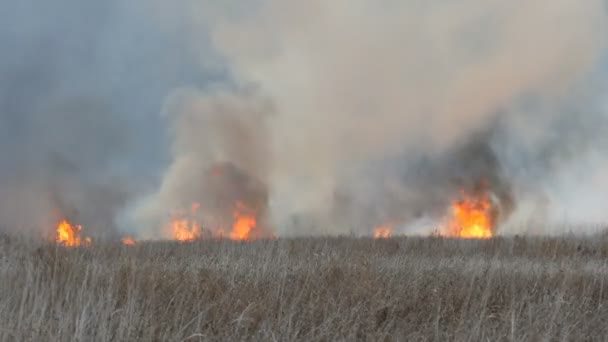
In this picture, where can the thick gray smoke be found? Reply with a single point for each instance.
(404, 190)
(384, 111)
(326, 116)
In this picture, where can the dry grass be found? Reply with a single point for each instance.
(317, 289)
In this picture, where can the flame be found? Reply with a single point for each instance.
(184, 226)
(185, 230)
(244, 224)
(471, 218)
(69, 235)
(128, 241)
(383, 232)
(187, 226)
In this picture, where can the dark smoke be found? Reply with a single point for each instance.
(227, 189)
(403, 191)
(221, 156)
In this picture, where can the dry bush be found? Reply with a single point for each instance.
(309, 289)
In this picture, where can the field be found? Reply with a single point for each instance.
(307, 289)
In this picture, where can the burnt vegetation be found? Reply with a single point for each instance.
(307, 289)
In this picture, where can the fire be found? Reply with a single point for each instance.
(245, 222)
(128, 241)
(243, 225)
(184, 226)
(471, 218)
(187, 226)
(383, 232)
(185, 229)
(190, 226)
(69, 235)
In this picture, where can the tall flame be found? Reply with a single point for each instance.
(383, 232)
(244, 223)
(69, 235)
(243, 226)
(471, 218)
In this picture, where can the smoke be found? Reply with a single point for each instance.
(81, 87)
(324, 117)
(384, 108)
(221, 151)
(384, 111)
(408, 189)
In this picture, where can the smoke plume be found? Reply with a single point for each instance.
(221, 152)
(384, 111)
(319, 116)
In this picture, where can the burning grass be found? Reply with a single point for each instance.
(310, 289)
(69, 235)
(128, 241)
(383, 232)
(471, 218)
(187, 226)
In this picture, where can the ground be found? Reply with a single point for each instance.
(307, 289)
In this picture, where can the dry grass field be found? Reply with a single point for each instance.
(308, 289)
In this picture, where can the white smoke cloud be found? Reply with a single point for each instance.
(357, 82)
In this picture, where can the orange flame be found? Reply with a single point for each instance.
(471, 218)
(383, 232)
(185, 230)
(244, 224)
(184, 226)
(128, 241)
(69, 235)
(187, 227)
